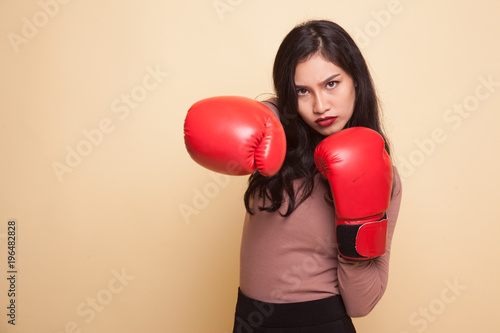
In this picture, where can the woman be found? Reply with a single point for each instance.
(323, 197)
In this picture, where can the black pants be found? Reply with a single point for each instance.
(321, 316)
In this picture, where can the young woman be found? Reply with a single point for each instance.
(293, 278)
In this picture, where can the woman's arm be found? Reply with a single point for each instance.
(362, 284)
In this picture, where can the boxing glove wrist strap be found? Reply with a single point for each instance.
(362, 240)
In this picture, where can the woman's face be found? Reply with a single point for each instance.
(325, 94)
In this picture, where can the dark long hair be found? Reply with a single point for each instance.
(334, 44)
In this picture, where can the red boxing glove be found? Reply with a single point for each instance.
(359, 171)
(235, 136)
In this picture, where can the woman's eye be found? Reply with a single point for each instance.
(332, 84)
(301, 91)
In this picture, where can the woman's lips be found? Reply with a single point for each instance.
(326, 121)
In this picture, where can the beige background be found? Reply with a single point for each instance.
(118, 230)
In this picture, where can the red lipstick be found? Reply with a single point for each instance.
(326, 121)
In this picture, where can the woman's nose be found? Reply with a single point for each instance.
(321, 104)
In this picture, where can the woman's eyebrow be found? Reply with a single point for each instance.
(325, 81)
(330, 78)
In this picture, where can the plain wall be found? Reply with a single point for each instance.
(118, 230)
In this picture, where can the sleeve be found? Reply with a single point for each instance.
(272, 104)
(362, 284)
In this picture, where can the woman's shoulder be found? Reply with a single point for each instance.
(272, 104)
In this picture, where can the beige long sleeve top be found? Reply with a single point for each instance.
(295, 258)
